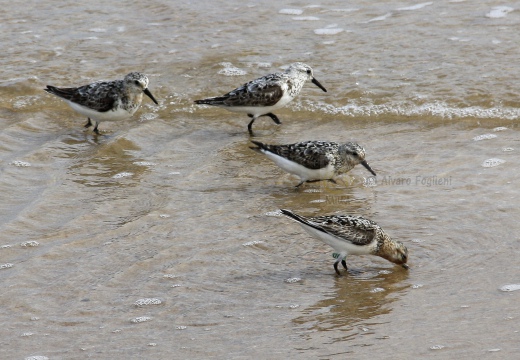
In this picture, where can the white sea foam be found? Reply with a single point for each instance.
(147, 301)
(122, 175)
(274, 213)
(328, 31)
(484, 137)
(437, 109)
(377, 289)
(231, 70)
(499, 12)
(20, 163)
(437, 347)
(30, 244)
(291, 11)
(492, 162)
(252, 243)
(512, 287)
(140, 319)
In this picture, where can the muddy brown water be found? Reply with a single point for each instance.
(172, 205)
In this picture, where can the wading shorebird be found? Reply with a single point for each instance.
(106, 100)
(262, 96)
(315, 160)
(352, 235)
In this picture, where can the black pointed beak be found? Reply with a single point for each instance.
(149, 94)
(405, 266)
(317, 83)
(365, 164)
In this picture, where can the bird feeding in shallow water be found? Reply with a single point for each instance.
(106, 100)
(352, 235)
(315, 160)
(262, 96)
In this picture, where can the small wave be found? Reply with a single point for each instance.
(305, 18)
(144, 163)
(380, 18)
(437, 109)
(415, 7)
(345, 10)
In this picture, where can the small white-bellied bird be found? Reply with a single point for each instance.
(106, 100)
(315, 160)
(352, 235)
(262, 96)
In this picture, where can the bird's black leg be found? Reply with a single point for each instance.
(274, 117)
(336, 267)
(344, 263)
(250, 125)
(88, 124)
(96, 129)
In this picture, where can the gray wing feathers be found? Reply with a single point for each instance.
(358, 231)
(260, 92)
(96, 96)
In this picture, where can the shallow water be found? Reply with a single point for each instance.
(173, 205)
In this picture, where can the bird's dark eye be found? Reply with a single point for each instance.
(355, 153)
(136, 82)
(309, 71)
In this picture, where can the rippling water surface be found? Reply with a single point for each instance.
(159, 238)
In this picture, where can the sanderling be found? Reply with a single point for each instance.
(106, 100)
(315, 160)
(262, 96)
(352, 235)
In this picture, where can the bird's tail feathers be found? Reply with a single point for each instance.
(301, 220)
(259, 146)
(211, 101)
